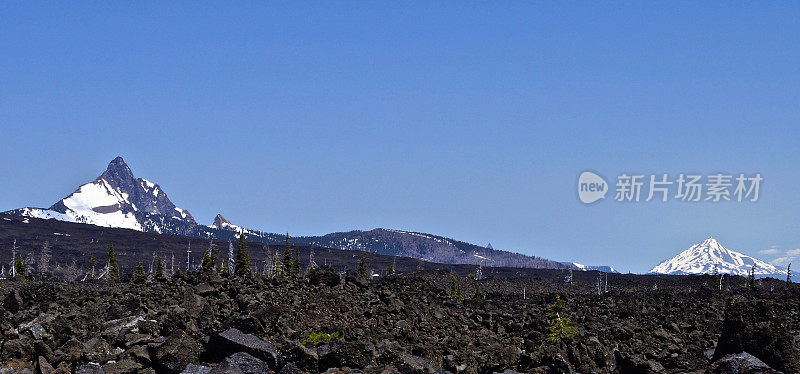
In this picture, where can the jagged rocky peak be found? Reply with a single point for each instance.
(116, 199)
(119, 175)
(220, 222)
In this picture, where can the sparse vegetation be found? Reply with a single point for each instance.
(751, 278)
(390, 269)
(139, 277)
(210, 258)
(789, 273)
(243, 264)
(316, 338)
(158, 275)
(113, 266)
(19, 268)
(288, 259)
(362, 266)
(560, 327)
(455, 289)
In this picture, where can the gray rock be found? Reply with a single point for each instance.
(178, 351)
(196, 369)
(90, 368)
(44, 366)
(122, 367)
(241, 362)
(760, 328)
(232, 341)
(303, 357)
(741, 363)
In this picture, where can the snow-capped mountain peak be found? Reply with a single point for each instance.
(703, 257)
(115, 199)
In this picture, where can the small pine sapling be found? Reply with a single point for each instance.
(455, 289)
(390, 269)
(139, 277)
(159, 273)
(560, 327)
(19, 269)
(288, 259)
(210, 258)
(362, 266)
(113, 266)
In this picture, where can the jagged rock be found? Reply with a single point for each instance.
(196, 369)
(35, 328)
(324, 275)
(205, 289)
(21, 348)
(241, 362)
(139, 354)
(637, 364)
(338, 353)
(73, 349)
(13, 302)
(303, 357)
(122, 323)
(44, 366)
(758, 328)
(90, 368)
(290, 369)
(122, 367)
(353, 278)
(741, 363)
(232, 341)
(136, 339)
(175, 353)
(98, 350)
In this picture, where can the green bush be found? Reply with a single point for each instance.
(316, 338)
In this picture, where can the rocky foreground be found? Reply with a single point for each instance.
(413, 323)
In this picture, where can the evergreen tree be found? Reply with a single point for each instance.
(210, 258)
(243, 264)
(288, 259)
(751, 278)
(390, 269)
(159, 273)
(478, 293)
(224, 269)
(19, 267)
(560, 327)
(362, 266)
(139, 277)
(296, 264)
(789, 273)
(455, 289)
(113, 266)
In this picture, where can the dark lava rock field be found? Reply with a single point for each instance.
(411, 323)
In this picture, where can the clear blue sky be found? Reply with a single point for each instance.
(466, 119)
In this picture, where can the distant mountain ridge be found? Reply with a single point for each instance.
(118, 199)
(708, 255)
(603, 268)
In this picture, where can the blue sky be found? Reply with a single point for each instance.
(466, 119)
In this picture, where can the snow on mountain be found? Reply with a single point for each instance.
(582, 267)
(701, 258)
(115, 199)
(118, 199)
